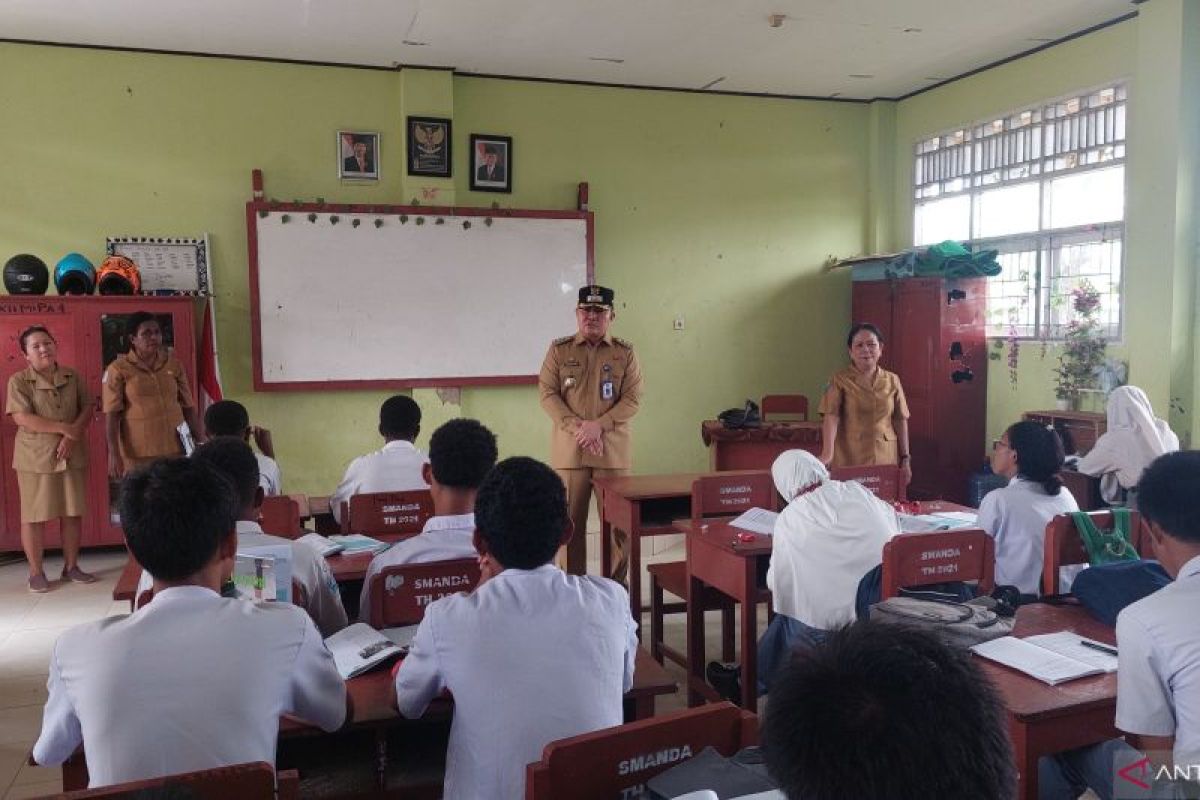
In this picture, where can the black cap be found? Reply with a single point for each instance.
(596, 296)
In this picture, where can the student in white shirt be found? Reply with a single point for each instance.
(1158, 640)
(1030, 456)
(1134, 438)
(533, 654)
(230, 418)
(461, 453)
(193, 680)
(396, 467)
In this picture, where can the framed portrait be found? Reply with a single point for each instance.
(429, 146)
(358, 155)
(491, 163)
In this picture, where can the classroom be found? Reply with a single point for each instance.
(725, 187)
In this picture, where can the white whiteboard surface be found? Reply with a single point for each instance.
(408, 304)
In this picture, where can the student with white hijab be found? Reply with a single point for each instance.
(1134, 438)
(827, 538)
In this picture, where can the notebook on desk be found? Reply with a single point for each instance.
(1052, 658)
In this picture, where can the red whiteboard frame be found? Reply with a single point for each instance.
(258, 204)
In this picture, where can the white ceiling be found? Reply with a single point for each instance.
(845, 48)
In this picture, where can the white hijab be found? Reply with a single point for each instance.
(825, 541)
(1134, 438)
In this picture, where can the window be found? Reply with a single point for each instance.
(1045, 187)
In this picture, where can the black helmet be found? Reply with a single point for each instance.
(26, 274)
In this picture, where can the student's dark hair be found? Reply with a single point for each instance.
(858, 328)
(30, 331)
(886, 712)
(136, 320)
(399, 418)
(1168, 494)
(226, 418)
(234, 459)
(461, 452)
(1039, 454)
(521, 512)
(175, 513)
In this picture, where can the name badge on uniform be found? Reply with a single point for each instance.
(606, 383)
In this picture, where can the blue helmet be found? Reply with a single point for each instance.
(74, 275)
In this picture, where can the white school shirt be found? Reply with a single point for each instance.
(395, 468)
(444, 538)
(1016, 517)
(270, 478)
(531, 656)
(322, 600)
(1158, 675)
(192, 681)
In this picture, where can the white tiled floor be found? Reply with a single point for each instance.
(29, 625)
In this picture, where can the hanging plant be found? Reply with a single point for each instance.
(1083, 347)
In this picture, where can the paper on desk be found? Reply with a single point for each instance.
(1068, 644)
(1045, 665)
(402, 636)
(756, 520)
(358, 648)
(941, 521)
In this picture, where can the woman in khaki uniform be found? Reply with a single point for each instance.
(51, 408)
(865, 413)
(146, 395)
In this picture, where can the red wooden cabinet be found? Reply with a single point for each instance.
(90, 333)
(934, 340)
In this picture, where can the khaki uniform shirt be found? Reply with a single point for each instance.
(571, 386)
(865, 431)
(61, 399)
(153, 398)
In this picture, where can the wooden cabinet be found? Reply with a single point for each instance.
(1079, 430)
(90, 332)
(933, 331)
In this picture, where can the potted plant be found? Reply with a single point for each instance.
(1082, 350)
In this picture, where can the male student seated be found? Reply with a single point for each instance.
(396, 467)
(533, 654)
(1158, 675)
(461, 453)
(230, 418)
(885, 711)
(193, 680)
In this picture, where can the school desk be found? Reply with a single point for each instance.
(756, 448)
(716, 557)
(1046, 719)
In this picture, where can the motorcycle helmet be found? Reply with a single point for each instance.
(26, 274)
(118, 275)
(74, 274)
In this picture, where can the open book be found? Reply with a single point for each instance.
(322, 545)
(353, 543)
(1051, 657)
(756, 520)
(358, 648)
(937, 521)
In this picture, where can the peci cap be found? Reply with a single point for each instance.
(598, 296)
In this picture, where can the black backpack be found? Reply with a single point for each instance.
(746, 417)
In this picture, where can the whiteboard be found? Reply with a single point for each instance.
(405, 304)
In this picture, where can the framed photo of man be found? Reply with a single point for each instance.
(358, 155)
(429, 146)
(491, 163)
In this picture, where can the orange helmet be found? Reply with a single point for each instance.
(118, 275)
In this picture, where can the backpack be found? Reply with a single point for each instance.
(962, 624)
(737, 418)
(1106, 546)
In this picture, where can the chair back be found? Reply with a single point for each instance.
(253, 781)
(400, 594)
(1063, 545)
(777, 405)
(725, 494)
(885, 481)
(281, 516)
(390, 516)
(607, 763)
(919, 559)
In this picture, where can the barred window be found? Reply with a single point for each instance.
(1044, 186)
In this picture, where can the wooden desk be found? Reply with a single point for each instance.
(1042, 719)
(716, 558)
(757, 448)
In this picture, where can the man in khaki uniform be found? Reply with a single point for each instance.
(591, 386)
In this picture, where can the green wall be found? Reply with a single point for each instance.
(721, 209)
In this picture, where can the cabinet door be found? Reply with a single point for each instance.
(872, 302)
(916, 335)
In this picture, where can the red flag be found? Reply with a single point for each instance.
(208, 370)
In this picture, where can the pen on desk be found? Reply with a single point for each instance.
(1103, 648)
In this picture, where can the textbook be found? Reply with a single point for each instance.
(941, 521)
(264, 573)
(756, 520)
(402, 636)
(355, 543)
(322, 544)
(359, 648)
(1052, 658)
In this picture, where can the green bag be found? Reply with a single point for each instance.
(1106, 546)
